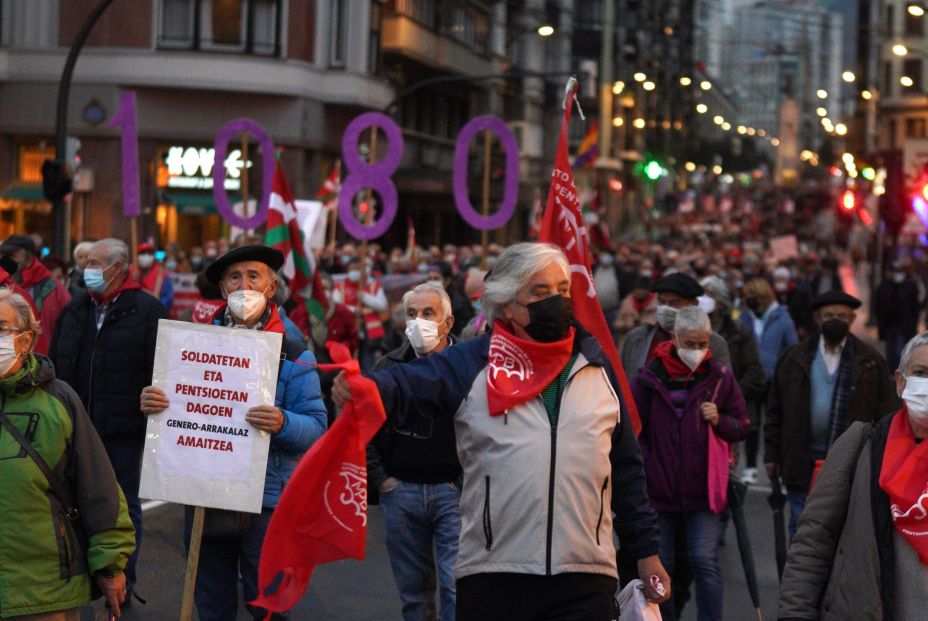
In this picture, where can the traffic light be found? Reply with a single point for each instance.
(653, 170)
(849, 200)
(56, 179)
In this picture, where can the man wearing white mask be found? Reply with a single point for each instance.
(414, 468)
(231, 548)
(154, 278)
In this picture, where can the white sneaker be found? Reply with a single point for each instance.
(749, 476)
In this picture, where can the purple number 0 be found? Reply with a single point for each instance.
(376, 176)
(225, 135)
(124, 119)
(511, 186)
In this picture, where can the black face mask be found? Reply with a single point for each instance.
(752, 303)
(549, 319)
(834, 330)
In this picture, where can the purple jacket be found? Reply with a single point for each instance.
(675, 448)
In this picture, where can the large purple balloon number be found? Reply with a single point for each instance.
(511, 183)
(228, 132)
(376, 176)
(125, 120)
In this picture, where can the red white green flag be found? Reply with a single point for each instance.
(328, 193)
(284, 234)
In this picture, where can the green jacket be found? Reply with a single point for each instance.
(44, 567)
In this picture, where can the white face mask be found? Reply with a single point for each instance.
(666, 317)
(915, 396)
(706, 303)
(8, 353)
(145, 260)
(247, 305)
(692, 357)
(423, 335)
(354, 275)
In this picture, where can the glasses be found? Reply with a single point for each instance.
(839, 317)
(9, 330)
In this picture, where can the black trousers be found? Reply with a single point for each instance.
(524, 597)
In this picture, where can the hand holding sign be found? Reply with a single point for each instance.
(153, 400)
(266, 418)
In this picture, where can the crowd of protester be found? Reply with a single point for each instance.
(720, 333)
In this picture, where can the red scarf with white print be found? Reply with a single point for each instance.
(904, 478)
(520, 369)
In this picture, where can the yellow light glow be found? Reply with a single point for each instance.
(639, 123)
(848, 76)
(906, 81)
(915, 10)
(900, 50)
(822, 93)
(866, 95)
(775, 142)
(640, 77)
(742, 129)
(546, 30)
(617, 87)
(648, 85)
(821, 111)
(618, 121)
(717, 169)
(702, 108)
(718, 119)
(705, 85)
(690, 167)
(685, 81)
(841, 129)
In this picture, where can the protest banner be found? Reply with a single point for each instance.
(200, 451)
(784, 247)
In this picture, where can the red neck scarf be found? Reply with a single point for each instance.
(519, 369)
(33, 273)
(126, 285)
(640, 305)
(675, 367)
(904, 478)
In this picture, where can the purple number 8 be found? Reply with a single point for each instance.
(376, 176)
(511, 185)
(225, 135)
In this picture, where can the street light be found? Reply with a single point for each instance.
(848, 76)
(545, 30)
(617, 87)
(867, 95)
(822, 93)
(900, 50)
(640, 77)
(906, 81)
(639, 123)
(618, 121)
(705, 85)
(841, 129)
(915, 10)
(821, 111)
(718, 119)
(685, 81)
(702, 108)
(648, 85)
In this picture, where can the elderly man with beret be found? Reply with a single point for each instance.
(820, 386)
(246, 277)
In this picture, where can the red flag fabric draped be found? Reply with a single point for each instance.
(562, 225)
(322, 513)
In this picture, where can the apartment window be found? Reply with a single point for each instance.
(913, 25)
(888, 86)
(339, 31)
(890, 15)
(913, 69)
(423, 11)
(470, 26)
(915, 128)
(249, 26)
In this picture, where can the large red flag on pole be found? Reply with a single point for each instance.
(562, 225)
(322, 514)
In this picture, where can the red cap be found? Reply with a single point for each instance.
(146, 248)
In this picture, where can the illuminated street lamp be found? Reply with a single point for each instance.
(618, 121)
(702, 108)
(545, 30)
(841, 129)
(648, 85)
(640, 77)
(705, 85)
(915, 10)
(906, 81)
(867, 95)
(685, 81)
(822, 93)
(900, 50)
(848, 76)
(617, 87)
(821, 111)
(718, 119)
(639, 123)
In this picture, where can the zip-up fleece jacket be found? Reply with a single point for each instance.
(536, 499)
(44, 565)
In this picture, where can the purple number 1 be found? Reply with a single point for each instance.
(124, 119)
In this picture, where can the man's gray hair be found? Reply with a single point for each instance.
(84, 247)
(513, 270)
(691, 319)
(431, 287)
(116, 251)
(914, 343)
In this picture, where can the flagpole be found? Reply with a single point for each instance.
(333, 215)
(368, 220)
(485, 234)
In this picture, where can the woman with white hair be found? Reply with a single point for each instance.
(546, 453)
(684, 396)
(861, 547)
(63, 518)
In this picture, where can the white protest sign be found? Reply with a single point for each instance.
(200, 451)
(785, 247)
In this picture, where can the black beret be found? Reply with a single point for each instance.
(269, 256)
(15, 242)
(835, 297)
(679, 283)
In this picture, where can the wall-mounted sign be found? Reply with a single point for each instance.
(191, 168)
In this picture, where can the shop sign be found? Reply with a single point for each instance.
(191, 168)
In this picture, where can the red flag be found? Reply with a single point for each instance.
(562, 225)
(322, 514)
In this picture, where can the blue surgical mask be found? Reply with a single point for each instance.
(94, 280)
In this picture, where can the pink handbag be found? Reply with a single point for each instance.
(719, 460)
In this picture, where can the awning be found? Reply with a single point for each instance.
(24, 193)
(195, 203)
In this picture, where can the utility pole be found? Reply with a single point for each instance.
(606, 164)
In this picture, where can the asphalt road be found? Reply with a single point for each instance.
(364, 590)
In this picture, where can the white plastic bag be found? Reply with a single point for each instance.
(634, 606)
